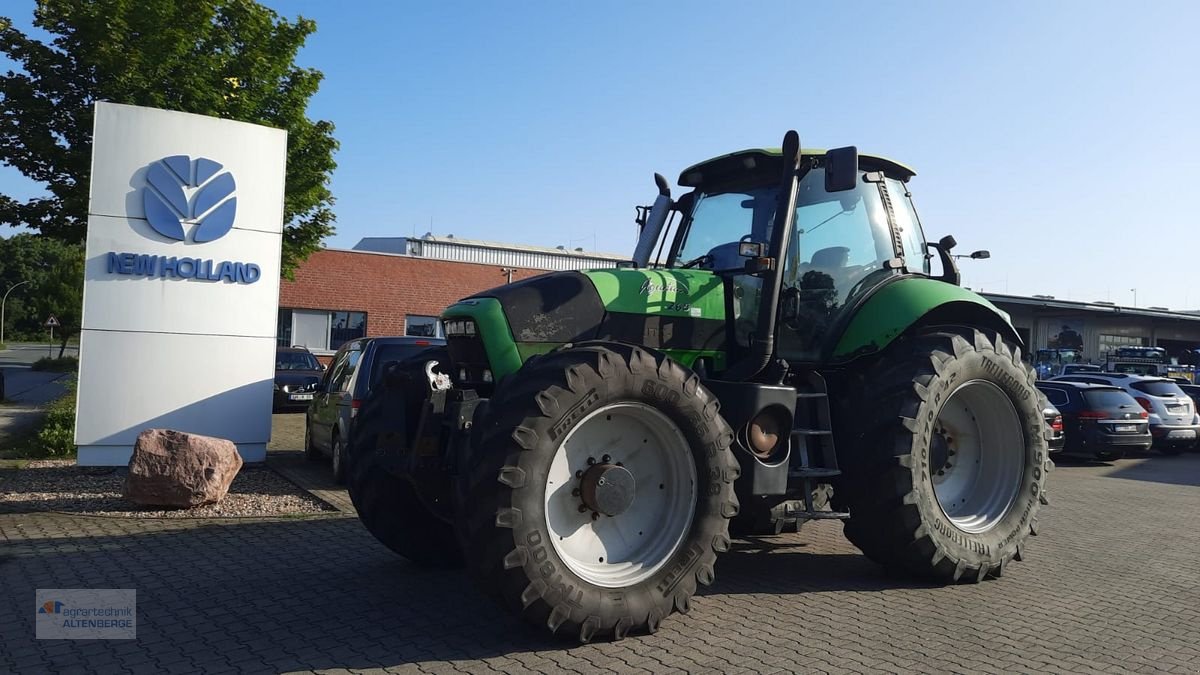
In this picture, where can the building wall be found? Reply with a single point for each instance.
(1099, 330)
(387, 287)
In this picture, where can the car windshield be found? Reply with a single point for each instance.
(295, 361)
(1158, 388)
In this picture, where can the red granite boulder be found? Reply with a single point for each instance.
(173, 468)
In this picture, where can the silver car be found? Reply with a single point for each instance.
(1174, 423)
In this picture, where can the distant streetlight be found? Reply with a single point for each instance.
(1134, 296)
(3, 302)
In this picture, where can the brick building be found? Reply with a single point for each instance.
(399, 286)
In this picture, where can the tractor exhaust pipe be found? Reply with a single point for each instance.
(654, 223)
(762, 344)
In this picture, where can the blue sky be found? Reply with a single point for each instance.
(1045, 132)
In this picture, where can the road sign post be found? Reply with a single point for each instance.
(51, 322)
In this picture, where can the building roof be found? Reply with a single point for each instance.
(452, 248)
(1103, 308)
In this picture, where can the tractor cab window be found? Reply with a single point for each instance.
(837, 254)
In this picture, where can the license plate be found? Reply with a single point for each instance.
(1126, 427)
(1182, 433)
(1177, 409)
(301, 397)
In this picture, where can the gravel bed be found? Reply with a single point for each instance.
(60, 485)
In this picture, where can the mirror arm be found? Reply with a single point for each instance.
(950, 273)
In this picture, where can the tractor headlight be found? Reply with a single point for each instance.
(459, 327)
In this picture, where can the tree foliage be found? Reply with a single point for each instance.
(225, 58)
(54, 270)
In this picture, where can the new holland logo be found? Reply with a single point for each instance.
(181, 191)
(196, 194)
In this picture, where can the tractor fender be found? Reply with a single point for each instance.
(913, 302)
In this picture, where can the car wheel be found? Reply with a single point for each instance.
(310, 452)
(339, 460)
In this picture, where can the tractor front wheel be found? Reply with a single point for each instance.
(602, 492)
(946, 479)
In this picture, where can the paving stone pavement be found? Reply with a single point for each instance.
(1113, 585)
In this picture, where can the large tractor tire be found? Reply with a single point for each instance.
(388, 505)
(601, 491)
(947, 476)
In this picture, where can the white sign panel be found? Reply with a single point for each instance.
(181, 283)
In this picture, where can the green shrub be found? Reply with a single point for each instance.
(67, 364)
(56, 437)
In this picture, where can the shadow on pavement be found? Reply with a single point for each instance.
(1181, 469)
(314, 594)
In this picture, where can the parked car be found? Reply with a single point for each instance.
(1055, 438)
(1174, 423)
(297, 373)
(356, 366)
(1098, 419)
(1193, 392)
(1077, 368)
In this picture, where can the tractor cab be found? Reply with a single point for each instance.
(852, 229)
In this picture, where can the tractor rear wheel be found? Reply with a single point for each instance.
(602, 491)
(947, 476)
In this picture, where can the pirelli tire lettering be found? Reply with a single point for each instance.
(889, 482)
(510, 543)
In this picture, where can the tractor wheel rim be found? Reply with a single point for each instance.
(622, 550)
(976, 471)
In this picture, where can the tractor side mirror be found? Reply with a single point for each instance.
(981, 255)
(841, 169)
(752, 249)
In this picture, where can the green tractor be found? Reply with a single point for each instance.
(585, 440)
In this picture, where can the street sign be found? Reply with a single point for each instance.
(52, 322)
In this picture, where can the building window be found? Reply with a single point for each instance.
(319, 330)
(1111, 342)
(422, 326)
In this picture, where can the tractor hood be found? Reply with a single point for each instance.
(681, 312)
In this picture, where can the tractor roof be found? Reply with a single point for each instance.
(694, 175)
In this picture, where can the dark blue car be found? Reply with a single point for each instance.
(356, 366)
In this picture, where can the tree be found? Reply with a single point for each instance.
(55, 271)
(226, 58)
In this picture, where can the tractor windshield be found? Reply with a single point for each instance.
(836, 253)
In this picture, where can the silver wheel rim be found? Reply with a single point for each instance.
(622, 550)
(983, 448)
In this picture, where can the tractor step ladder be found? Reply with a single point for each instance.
(814, 459)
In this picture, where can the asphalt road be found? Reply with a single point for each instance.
(22, 355)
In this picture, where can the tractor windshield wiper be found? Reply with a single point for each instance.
(695, 261)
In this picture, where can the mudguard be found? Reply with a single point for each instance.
(910, 301)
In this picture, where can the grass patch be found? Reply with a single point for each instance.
(54, 437)
(66, 364)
